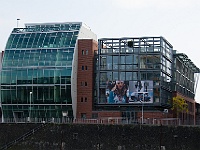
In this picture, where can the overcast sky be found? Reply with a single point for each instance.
(176, 20)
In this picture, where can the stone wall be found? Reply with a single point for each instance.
(106, 137)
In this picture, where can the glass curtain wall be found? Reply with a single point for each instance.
(185, 75)
(36, 70)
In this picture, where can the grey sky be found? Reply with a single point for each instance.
(176, 20)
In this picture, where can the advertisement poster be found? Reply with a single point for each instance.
(129, 92)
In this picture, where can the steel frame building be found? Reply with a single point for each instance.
(134, 59)
(148, 60)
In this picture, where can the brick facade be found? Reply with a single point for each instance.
(106, 114)
(85, 77)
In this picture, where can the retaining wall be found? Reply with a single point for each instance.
(98, 136)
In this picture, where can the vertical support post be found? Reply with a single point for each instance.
(141, 101)
(18, 22)
(30, 94)
(142, 113)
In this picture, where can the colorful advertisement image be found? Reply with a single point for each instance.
(129, 92)
(140, 91)
(117, 92)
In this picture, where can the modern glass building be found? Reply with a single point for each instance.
(137, 78)
(143, 66)
(39, 70)
(185, 80)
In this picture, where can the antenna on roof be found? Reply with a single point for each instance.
(17, 22)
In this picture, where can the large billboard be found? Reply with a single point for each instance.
(129, 92)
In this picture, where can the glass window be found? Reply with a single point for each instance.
(103, 78)
(5, 77)
(46, 40)
(128, 76)
(109, 76)
(115, 62)
(103, 62)
(30, 41)
(122, 63)
(109, 62)
(135, 76)
(36, 39)
(19, 45)
(142, 62)
(150, 76)
(30, 73)
(83, 115)
(115, 76)
(129, 60)
(15, 40)
(143, 76)
(122, 76)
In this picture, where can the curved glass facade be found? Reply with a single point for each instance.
(36, 70)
